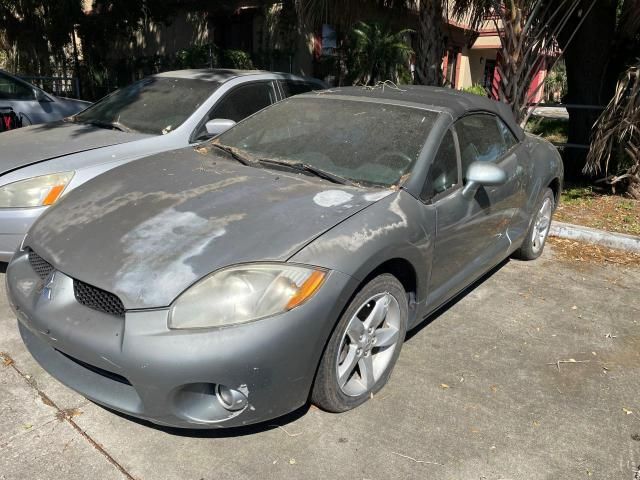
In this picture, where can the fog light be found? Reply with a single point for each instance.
(230, 399)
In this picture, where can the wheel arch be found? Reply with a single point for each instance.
(556, 187)
(401, 268)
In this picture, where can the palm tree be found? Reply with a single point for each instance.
(431, 46)
(529, 31)
(615, 148)
(377, 54)
(430, 37)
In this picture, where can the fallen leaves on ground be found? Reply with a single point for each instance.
(6, 359)
(68, 413)
(614, 213)
(574, 251)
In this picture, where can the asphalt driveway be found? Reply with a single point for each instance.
(533, 374)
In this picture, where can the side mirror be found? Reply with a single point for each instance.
(218, 125)
(482, 174)
(40, 95)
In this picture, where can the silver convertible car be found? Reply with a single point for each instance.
(40, 164)
(283, 261)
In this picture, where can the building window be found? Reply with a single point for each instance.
(489, 70)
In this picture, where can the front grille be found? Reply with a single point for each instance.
(42, 268)
(98, 370)
(85, 294)
(97, 299)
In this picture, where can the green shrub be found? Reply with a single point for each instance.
(476, 89)
(376, 54)
(236, 59)
(196, 56)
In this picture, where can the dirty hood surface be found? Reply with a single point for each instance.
(29, 145)
(149, 229)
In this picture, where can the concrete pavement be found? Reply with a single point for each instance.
(551, 112)
(534, 374)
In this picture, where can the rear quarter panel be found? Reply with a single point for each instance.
(546, 166)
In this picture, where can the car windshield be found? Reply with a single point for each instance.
(362, 141)
(155, 105)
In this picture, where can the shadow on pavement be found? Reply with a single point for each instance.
(218, 432)
(426, 322)
(3, 267)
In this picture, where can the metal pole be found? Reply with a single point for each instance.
(77, 62)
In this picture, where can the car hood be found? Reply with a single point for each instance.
(29, 145)
(149, 229)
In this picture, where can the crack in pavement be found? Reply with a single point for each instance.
(62, 414)
(26, 432)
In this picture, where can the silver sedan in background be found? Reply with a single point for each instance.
(163, 112)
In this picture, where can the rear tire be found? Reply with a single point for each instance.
(363, 347)
(535, 239)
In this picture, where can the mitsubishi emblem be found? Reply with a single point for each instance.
(47, 290)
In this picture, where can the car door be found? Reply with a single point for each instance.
(519, 168)
(484, 137)
(462, 224)
(239, 103)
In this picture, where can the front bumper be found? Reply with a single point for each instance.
(136, 365)
(14, 224)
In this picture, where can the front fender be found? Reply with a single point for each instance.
(396, 227)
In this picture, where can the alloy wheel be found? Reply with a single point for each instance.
(367, 346)
(541, 225)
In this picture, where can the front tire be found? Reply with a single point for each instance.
(536, 237)
(363, 347)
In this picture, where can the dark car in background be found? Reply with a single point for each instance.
(285, 260)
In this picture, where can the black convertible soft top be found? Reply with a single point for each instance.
(455, 102)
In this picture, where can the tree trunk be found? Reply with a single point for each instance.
(288, 26)
(430, 44)
(588, 80)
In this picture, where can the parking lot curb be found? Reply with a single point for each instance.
(619, 241)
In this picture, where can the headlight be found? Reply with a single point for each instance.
(243, 293)
(34, 192)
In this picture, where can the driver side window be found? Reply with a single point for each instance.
(443, 174)
(480, 139)
(240, 103)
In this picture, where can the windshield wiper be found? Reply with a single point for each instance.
(235, 153)
(111, 125)
(305, 167)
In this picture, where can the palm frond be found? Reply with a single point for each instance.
(617, 132)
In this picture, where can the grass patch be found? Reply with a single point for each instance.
(573, 195)
(551, 129)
